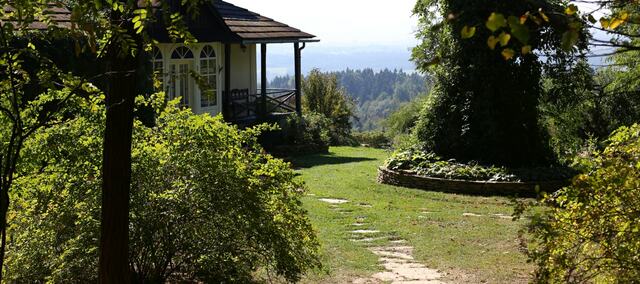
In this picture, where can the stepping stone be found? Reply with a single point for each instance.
(399, 242)
(365, 205)
(471, 215)
(365, 231)
(358, 224)
(334, 200)
(403, 249)
(310, 194)
(391, 254)
(503, 216)
(368, 240)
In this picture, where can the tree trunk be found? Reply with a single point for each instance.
(116, 170)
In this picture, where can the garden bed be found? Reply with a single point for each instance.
(485, 188)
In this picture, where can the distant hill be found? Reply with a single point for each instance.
(377, 94)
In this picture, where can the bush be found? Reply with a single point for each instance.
(590, 232)
(206, 205)
(323, 95)
(310, 129)
(403, 120)
(429, 164)
(375, 139)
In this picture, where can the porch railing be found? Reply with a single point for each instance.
(243, 105)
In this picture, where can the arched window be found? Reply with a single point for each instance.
(209, 73)
(182, 52)
(181, 82)
(158, 67)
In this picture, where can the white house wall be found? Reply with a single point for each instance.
(243, 67)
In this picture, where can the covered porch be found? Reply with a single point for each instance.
(254, 101)
(248, 105)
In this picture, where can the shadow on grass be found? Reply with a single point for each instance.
(310, 161)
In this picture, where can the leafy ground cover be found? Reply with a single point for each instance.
(429, 164)
(468, 239)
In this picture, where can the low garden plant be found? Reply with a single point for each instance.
(428, 164)
(206, 205)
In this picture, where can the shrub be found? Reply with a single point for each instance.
(206, 205)
(403, 120)
(323, 95)
(590, 231)
(375, 139)
(310, 129)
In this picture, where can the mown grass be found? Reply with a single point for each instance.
(468, 249)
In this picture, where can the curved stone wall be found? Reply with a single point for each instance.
(485, 188)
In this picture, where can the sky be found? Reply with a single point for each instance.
(344, 23)
(353, 34)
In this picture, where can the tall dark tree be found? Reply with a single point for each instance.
(487, 80)
(116, 33)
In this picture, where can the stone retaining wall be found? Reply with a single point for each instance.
(485, 188)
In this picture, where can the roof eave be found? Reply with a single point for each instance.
(280, 40)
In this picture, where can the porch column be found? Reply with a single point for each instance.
(226, 100)
(263, 80)
(298, 77)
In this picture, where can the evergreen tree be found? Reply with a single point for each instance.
(484, 103)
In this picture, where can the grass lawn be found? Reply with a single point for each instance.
(467, 248)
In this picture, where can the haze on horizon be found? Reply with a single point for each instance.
(354, 34)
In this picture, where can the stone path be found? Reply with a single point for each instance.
(396, 257)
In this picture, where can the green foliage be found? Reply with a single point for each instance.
(376, 93)
(403, 120)
(580, 106)
(206, 204)
(375, 139)
(590, 232)
(483, 108)
(323, 95)
(310, 129)
(428, 164)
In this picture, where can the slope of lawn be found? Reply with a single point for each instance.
(458, 235)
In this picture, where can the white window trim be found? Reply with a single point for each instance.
(166, 51)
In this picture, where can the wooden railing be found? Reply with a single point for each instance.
(280, 101)
(243, 105)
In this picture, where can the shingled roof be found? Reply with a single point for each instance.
(229, 23)
(250, 26)
(58, 16)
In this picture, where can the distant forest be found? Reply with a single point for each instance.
(376, 94)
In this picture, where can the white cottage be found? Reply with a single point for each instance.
(219, 73)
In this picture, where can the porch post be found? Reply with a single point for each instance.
(227, 83)
(298, 77)
(263, 80)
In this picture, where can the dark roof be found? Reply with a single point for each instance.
(250, 26)
(58, 15)
(225, 22)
